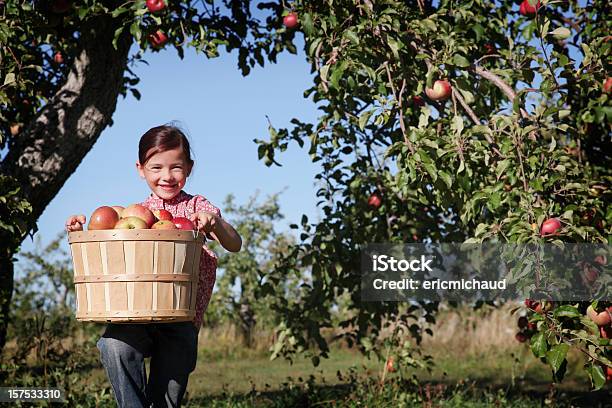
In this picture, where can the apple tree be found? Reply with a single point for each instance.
(472, 121)
(64, 64)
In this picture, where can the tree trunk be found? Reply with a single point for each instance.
(62, 133)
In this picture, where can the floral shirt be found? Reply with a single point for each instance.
(183, 205)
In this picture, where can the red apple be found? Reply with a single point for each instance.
(183, 223)
(58, 58)
(527, 9)
(375, 201)
(609, 373)
(521, 337)
(60, 6)
(119, 209)
(589, 273)
(389, 365)
(164, 225)
(601, 260)
(290, 20)
(441, 90)
(103, 218)
(155, 5)
(158, 39)
(606, 332)
(490, 48)
(601, 319)
(417, 101)
(163, 215)
(550, 227)
(142, 212)
(607, 86)
(131, 223)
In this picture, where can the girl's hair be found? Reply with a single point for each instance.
(160, 139)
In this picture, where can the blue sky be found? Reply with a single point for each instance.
(222, 112)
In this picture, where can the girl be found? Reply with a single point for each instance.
(164, 161)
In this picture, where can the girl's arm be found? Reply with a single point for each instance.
(219, 229)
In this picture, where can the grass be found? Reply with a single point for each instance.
(478, 364)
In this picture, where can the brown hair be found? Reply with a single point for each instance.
(160, 139)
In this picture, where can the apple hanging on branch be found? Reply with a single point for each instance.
(375, 200)
(441, 90)
(550, 227)
(290, 20)
(155, 5)
(158, 39)
(527, 9)
(58, 58)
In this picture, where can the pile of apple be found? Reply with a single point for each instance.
(136, 216)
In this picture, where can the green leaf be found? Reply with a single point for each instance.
(307, 24)
(556, 355)
(539, 346)
(446, 178)
(363, 119)
(351, 36)
(567, 311)
(460, 61)
(598, 379)
(9, 79)
(561, 33)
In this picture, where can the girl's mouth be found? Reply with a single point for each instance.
(168, 188)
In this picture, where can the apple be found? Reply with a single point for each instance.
(103, 218)
(532, 326)
(375, 200)
(490, 48)
(290, 20)
(131, 223)
(164, 225)
(142, 212)
(441, 90)
(158, 39)
(523, 322)
(527, 9)
(183, 223)
(15, 129)
(589, 273)
(601, 260)
(155, 5)
(417, 101)
(602, 318)
(60, 6)
(609, 373)
(163, 215)
(607, 86)
(389, 365)
(606, 332)
(58, 58)
(119, 209)
(550, 227)
(521, 337)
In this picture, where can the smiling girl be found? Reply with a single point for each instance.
(164, 162)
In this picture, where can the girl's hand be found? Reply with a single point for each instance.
(205, 221)
(75, 223)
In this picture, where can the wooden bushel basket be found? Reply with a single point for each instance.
(135, 276)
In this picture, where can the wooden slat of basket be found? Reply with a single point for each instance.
(144, 262)
(136, 313)
(130, 269)
(165, 256)
(134, 235)
(180, 250)
(116, 262)
(169, 277)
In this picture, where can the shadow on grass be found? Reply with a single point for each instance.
(477, 393)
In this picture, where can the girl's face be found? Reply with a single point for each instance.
(165, 172)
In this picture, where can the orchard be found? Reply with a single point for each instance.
(467, 122)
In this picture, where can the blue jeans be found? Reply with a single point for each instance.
(173, 351)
